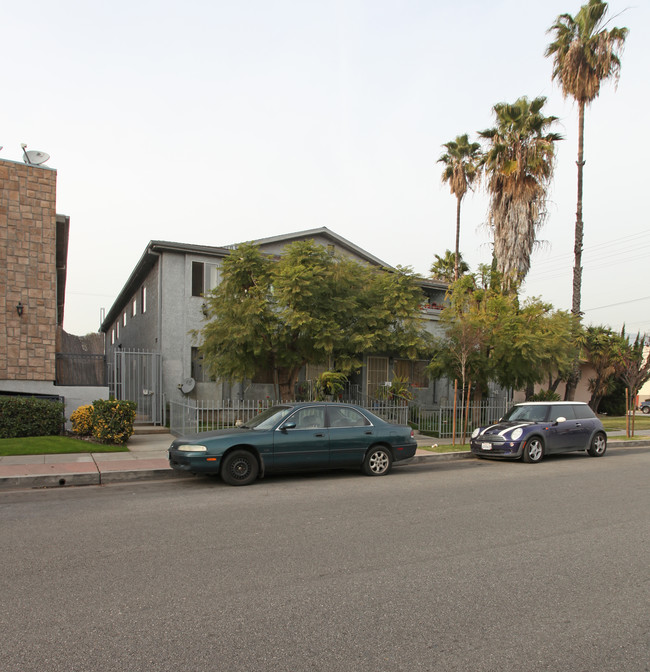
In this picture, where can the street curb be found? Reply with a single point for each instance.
(109, 477)
(49, 481)
(27, 482)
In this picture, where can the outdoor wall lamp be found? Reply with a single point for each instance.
(20, 308)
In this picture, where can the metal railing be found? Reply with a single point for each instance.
(192, 417)
(440, 421)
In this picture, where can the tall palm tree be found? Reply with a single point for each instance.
(518, 167)
(461, 161)
(584, 54)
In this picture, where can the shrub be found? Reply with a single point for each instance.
(113, 420)
(29, 416)
(545, 395)
(330, 384)
(82, 420)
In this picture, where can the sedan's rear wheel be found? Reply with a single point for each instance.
(378, 462)
(239, 468)
(598, 445)
(534, 450)
(646, 409)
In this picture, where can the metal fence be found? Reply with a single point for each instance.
(440, 421)
(191, 417)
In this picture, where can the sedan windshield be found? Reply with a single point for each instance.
(269, 418)
(527, 413)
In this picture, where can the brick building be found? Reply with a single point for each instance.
(33, 259)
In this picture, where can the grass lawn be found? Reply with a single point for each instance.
(48, 445)
(641, 423)
(446, 448)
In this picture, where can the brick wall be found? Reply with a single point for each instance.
(27, 272)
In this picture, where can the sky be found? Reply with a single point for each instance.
(214, 122)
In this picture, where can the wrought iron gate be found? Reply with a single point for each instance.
(137, 376)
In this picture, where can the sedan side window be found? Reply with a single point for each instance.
(346, 417)
(309, 418)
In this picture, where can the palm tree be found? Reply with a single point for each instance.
(461, 161)
(518, 167)
(584, 54)
(448, 267)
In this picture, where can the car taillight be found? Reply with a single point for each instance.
(412, 434)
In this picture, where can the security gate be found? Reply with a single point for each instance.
(137, 376)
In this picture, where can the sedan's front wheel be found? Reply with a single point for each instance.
(239, 468)
(533, 450)
(598, 445)
(378, 462)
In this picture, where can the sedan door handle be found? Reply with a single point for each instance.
(319, 434)
(369, 432)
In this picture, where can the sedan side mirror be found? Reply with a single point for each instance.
(559, 420)
(288, 425)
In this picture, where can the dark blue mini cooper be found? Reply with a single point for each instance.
(291, 437)
(534, 429)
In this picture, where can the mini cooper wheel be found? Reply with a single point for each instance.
(598, 445)
(378, 462)
(533, 450)
(239, 468)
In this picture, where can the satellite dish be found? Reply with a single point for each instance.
(187, 385)
(33, 157)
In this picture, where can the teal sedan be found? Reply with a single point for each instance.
(292, 437)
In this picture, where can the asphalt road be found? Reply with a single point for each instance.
(468, 565)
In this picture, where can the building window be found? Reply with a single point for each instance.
(197, 371)
(112, 336)
(124, 319)
(143, 300)
(117, 329)
(205, 277)
(134, 308)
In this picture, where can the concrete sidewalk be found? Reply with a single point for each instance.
(146, 459)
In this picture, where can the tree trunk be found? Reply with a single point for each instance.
(456, 258)
(572, 383)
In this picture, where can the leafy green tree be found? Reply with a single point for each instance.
(461, 169)
(306, 307)
(584, 54)
(489, 336)
(635, 370)
(445, 267)
(603, 351)
(518, 168)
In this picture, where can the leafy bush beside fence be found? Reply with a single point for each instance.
(113, 420)
(82, 420)
(29, 416)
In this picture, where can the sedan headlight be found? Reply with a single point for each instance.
(191, 448)
(516, 434)
(476, 432)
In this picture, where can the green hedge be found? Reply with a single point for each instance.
(29, 416)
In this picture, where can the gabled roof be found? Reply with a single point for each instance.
(155, 247)
(322, 232)
(145, 264)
